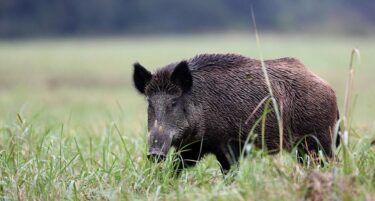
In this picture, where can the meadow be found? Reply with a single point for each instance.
(73, 127)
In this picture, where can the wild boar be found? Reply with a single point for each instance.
(201, 105)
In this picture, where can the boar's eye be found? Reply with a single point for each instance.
(174, 102)
(150, 106)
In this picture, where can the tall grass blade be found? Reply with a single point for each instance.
(268, 82)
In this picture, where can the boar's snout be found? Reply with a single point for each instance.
(156, 156)
(159, 144)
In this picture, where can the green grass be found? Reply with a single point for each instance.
(72, 126)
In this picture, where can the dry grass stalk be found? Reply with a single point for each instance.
(349, 95)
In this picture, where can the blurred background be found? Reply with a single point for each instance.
(40, 18)
(72, 60)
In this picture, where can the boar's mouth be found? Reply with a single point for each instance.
(158, 145)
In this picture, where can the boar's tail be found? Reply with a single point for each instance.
(338, 138)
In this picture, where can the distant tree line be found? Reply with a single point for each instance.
(25, 18)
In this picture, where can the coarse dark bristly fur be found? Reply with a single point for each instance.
(200, 105)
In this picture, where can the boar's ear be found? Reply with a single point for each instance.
(141, 77)
(181, 76)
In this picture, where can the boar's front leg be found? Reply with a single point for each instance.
(227, 155)
(189, 156)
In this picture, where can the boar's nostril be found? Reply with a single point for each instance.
(156, 155)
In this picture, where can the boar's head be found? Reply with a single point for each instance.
(166, 92)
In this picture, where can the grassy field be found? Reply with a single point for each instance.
(73, 127)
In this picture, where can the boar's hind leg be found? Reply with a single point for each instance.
(227, 155)
(311, 146)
